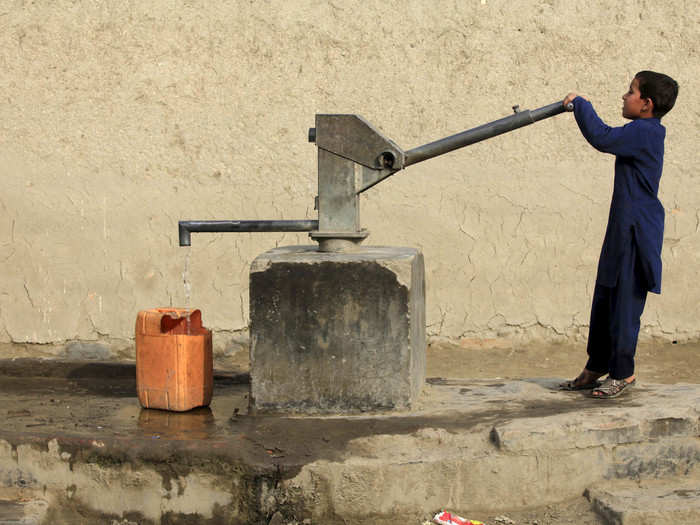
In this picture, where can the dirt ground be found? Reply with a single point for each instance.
(656, 362)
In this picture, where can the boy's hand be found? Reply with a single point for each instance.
(571, 96)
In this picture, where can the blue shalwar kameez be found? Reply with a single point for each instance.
(630, 260)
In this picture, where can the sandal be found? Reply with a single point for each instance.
(611, 388)
(575, 384)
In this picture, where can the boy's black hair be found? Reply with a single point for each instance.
(660, 88)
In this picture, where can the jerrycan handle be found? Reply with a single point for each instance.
(180, 321)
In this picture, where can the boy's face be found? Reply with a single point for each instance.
(635, 106)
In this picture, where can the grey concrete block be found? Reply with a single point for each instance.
(648, 502)
(337, 332)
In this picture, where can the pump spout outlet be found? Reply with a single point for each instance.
(187, 227)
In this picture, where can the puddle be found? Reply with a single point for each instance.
(198, 423)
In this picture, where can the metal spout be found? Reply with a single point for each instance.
(187, 227)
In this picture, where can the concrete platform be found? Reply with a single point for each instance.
(74, 436)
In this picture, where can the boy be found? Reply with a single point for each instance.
(630, 261)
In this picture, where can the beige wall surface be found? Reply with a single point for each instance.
(117, 119)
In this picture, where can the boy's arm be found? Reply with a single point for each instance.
(623, 141)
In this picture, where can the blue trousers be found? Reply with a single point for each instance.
(615, 320)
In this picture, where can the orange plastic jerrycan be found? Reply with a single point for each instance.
(174, 368)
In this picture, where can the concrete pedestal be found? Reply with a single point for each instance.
(337, 332)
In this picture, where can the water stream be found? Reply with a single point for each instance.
(187, 284)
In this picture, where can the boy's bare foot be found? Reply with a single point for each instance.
(586, 380)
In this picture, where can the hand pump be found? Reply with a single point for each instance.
(353, 156)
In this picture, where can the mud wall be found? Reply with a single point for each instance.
(117, 119)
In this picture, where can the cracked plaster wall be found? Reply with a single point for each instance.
(119, 118)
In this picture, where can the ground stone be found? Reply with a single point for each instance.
(648, 502)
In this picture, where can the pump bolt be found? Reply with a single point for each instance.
(386, 160)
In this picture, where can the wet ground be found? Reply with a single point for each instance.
(101, 396)
(96, 401)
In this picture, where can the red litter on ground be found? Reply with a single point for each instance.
(445, 518)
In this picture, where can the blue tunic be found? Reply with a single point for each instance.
(636, 214)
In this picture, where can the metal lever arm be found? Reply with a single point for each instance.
(486, 131)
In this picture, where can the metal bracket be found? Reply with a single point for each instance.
(353, 138)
